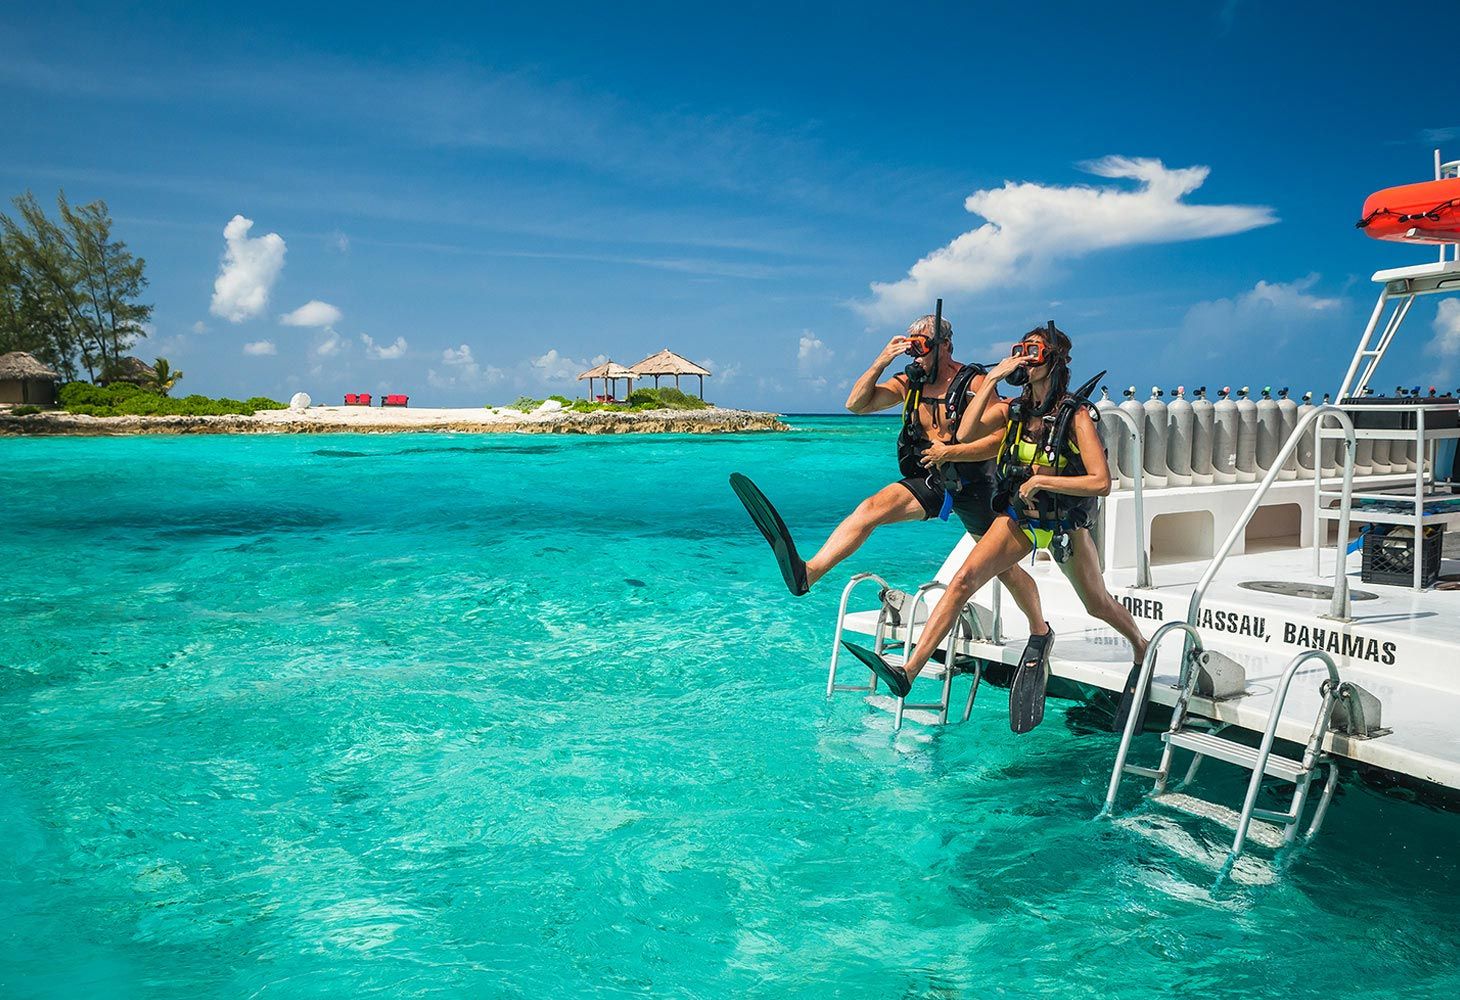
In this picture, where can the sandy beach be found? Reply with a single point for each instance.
(383, 420)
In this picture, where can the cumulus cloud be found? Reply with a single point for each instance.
(383, 352)
(200, 327)
(1029, 226)
(463, 371)
(812, 355)
(249, 269)
(260, 348)
(312, 313)
(1267, 317)
(329, 345)
(555, 367)
(1446, 343)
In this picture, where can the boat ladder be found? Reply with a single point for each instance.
(905, 623)
(1210, 675)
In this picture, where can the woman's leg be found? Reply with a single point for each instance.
(1083, 571)
(889, 505)
(1002, 546)
(1026, 594)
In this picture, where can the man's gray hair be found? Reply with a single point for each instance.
(923, 327)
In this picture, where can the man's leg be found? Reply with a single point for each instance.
(1025, 591)
(889, 505)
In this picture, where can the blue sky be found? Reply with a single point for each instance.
(470, 205)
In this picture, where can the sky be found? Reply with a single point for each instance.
(471, 205)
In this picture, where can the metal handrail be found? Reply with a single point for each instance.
(1143, 558)
(841, 618)
(1143, 683)
(1339, 606)
(1264, 750)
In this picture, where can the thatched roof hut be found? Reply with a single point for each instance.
(610, 373)
(23, 379)
(666, 363)
(129, 369)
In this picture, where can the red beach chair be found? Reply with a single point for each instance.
(350, 399)
(394, 399)
(364, 399)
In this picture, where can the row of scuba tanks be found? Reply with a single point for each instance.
(1234, 439)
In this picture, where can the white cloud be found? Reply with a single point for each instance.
(383, 352)
(1446, 342)
(200, 327)
(260, 348)
(1265, 318)
(459, 357)
(463, 371)
(331, 344)
(554, 367)
(249, 269)
(812, 355)
(313, 313)
(1029, 226)
(340, 242)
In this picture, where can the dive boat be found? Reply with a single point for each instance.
(1303, 623)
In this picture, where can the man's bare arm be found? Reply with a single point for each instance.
(870, 395)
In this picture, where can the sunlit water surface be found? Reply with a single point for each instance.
(424, 715)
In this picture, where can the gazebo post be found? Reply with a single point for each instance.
(702, 388)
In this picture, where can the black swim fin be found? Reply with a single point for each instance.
(793, 569)
(1026, 694)
(891, 674)
(1127, 699)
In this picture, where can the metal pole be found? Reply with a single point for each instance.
(1347, 388)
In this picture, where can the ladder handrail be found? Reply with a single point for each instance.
(841, 618)
(1143, 557)
(1339, 607)
(1269, 735)
(1143, 683)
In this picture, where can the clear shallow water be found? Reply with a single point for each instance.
(432, 716)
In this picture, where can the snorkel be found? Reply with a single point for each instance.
(926, 351)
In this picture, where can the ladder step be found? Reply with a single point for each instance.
(1235, 753)
(1258, 832)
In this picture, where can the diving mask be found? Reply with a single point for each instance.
(1035, 350)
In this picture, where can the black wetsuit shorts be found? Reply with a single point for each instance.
(973, 503)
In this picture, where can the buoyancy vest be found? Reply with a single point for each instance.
(1054, 451)
(913, 441)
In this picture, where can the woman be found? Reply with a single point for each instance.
(1051, 468)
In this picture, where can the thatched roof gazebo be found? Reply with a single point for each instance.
(610, 373)
(25, 380)
(667, 363)
(129, 369)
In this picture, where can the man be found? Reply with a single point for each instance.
(933, 391)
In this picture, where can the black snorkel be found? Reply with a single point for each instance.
(917, 372)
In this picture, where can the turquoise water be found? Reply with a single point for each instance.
(434, 716)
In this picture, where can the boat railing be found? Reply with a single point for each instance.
(1310, 423)
(1143, 555)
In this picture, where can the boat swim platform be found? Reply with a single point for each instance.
(1400, 646)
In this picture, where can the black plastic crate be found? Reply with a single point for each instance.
(1390, 559)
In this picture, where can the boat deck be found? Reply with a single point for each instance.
(1401, 646)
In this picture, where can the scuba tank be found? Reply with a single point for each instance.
(1129, 458)
(1269, 430)
(1112, 436)
(1411, 446)
(1202, 416)
(1179, 420)
(1288, 422)
(1155, 431)
(1224, 437)
(1381, 461)
(1305, 456)
(1330, 450)
(1246, 438)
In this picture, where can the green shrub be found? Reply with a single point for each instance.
(124, 399)
(562, 399)
(676, 399)
(526, 404)
(24, 411)
(639, 397)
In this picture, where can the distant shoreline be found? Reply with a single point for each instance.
(383, 420)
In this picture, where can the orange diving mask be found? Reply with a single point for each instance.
(1034, 350)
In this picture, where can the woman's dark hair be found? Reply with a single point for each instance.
(1059, 375)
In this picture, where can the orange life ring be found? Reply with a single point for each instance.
(1415, 213)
